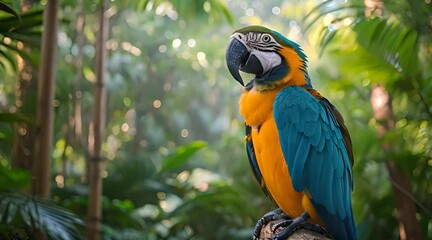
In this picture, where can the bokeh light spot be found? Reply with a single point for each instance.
(176, 43)
(162, 48)
(125, 127)
(191, 43)
(184, 133)
(157, 103)
(276, 10)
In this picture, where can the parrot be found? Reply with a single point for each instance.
(298, 146)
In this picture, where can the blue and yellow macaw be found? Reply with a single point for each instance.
(298, 146)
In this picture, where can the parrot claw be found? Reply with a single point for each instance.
(288, 224)
(276, 214)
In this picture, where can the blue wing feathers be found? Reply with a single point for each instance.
(323, 115)
(321, 141)
(340, 199)
(316, 156)
(292, 146)
(315, 134)
(295, 117)
(298, 164)
(252, 159)
(314, 186)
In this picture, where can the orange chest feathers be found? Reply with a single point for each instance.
(257, 107)
(257, 110)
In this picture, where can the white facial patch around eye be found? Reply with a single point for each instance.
(242, 38)
(268, 60)
(265, 38)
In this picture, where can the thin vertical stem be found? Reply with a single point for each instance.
(45, 112)
(96, 158)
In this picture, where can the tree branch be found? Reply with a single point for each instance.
(300, 234)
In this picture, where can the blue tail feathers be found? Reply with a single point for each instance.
(340, 229)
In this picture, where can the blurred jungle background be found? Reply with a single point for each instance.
(124, 125)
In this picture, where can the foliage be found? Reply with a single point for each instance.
(6, 8)
(9, 118)
(176, 165)
(391, 50)
(13, 178)
(212, 11)
(38, 215)
(16, 30)
(22, 216)
(8, 232)
(165, 201)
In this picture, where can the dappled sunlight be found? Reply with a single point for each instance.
(173, 159)
(201, 178)
(184, 132)
(157, 103)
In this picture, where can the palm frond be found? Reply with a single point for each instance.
(28, 20)
(7, 58)
(6, 8)
(395, 44)
(392, 42)
(39, 215)
(25, 29)
(211, 10)
(329, 7)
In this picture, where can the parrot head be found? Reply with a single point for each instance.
(272, 58)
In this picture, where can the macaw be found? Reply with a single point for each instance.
(299, 149)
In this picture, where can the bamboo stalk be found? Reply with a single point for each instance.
(96, 158)
(45, 112)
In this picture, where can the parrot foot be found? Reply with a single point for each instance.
(291, 225)
(276, 214)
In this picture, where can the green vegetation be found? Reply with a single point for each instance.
(175, 166)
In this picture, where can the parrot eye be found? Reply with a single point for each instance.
(266, 38)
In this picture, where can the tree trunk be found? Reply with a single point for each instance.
(95, 146)
(45, 113)
(409, 227)
(24, 134)
(77, 93)
(26, 89)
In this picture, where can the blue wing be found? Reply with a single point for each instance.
(317, 157)
(251, 155)
(253, 162)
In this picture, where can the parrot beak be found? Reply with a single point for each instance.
(236, 55)
(238, 58)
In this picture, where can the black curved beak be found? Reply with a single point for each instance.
(236, 56)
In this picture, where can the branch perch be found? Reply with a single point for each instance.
(300, 234)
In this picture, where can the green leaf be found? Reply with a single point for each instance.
(325, 40)
(229, 17)
(31, 19)
(8, 232)
(6, 8)
(394, 44)
(15, 118)
(6, 56)
(322, 10)
(40, 214)
(14, 178)
(141, 5)
(31, 39)
(181, 156)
